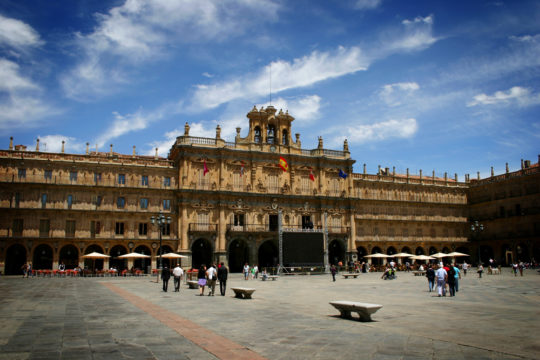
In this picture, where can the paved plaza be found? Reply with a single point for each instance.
(496, 317)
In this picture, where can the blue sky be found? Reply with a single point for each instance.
(450, 86)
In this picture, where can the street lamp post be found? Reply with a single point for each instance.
(161, 221)
(476, 229)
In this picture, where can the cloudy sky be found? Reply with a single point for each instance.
(450, 86)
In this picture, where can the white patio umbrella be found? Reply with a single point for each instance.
(378, 256)
(172, 256)
(440, 255)
(133, 255)
(95, 255)
(456, 254)
(422, 257)
(402, 255)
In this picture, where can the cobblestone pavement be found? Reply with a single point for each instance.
(496, 317)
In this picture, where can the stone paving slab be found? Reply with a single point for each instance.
(495, 317)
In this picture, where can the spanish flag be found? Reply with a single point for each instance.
(283, 164)
(311, 176)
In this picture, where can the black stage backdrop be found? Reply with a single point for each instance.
(303, 249)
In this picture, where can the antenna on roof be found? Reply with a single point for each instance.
(270, 83)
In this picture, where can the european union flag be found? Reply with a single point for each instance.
(342, 174)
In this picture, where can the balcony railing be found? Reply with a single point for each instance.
(249, 228)
(202, 227)
(87, 180)
(302, 228)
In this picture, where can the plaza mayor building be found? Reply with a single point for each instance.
(220, 201)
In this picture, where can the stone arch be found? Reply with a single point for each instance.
(432, 250)
(406, 249)
(201, 252)
(268, 255)
(362, 252)
(419, 251)
(391, 250)
(142, 264)
(15, 259)
(69, 255)
(238, 255)
(115, 262)
(336, 252)
(43, 257)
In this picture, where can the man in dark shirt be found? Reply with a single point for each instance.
(222, 274)
(430, 274)
(165, 276)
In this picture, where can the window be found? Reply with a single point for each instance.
(166, 181)
(44, 227)
(285, 137)
(47, 174)
(98, 200)
(17, 199)
(166, 204)
(119, 228)
(95, 228)
(203, 221)
(306, 222)
(72, 176)
(166, 229)
(144, 180)
(143, 228)
(239, 220)
(144, 203)
(43, 201)
(305, 185)
(70, 228)
(272, 222)
(120, 202)
(17, 227)
(273, 184)
(22, 173)
(121, 179)
(97, 177)
(238, 182)
(69, 201)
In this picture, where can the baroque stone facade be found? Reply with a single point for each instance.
(225, 200)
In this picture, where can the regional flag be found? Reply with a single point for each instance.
(242, 169)
(283, 164)
(342, 174)
(311, 176)
(205, 169)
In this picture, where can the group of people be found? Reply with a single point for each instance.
(253, 271)
(205, 277)
(446, 276)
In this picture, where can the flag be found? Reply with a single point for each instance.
(283, 164)
(311, 176)
(242, 169)
(342, 174)
(205, 169)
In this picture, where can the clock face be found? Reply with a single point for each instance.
(272, 148)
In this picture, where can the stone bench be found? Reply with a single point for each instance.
(419, 273)
(270, 277)
(193, 284)
(243, 293)
(346, 276)
(364, 310)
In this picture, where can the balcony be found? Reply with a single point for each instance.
(203, 227)
(250, 228)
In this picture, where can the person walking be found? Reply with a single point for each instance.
(201, 277)
(430, 274)
(521, 266)
(246, 271)
(211, 275)
(25, 270)
(222, 275)
(178, 273)
(451, 279)
(465, 267)
(333, 270)
(480, 270)
(457, 277)
(441, 277)
(165, 276)
(256, 271)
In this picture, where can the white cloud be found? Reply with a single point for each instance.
(367, 4)
(394, 94)
(53, 143)
(515, 95)
(18, 34)
(304, 109)
(20, 102)
(414, 35)
(301, 72)
(11, 80)
(404, 128)
(142, 30)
